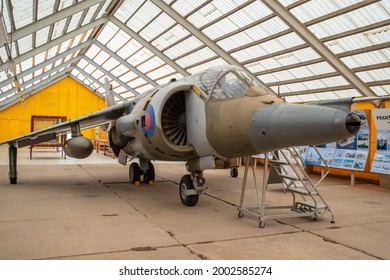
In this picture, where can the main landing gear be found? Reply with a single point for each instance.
(143, 172)
(191, 185)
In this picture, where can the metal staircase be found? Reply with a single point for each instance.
(288, 168)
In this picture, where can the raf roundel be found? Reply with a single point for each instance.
(148, 121)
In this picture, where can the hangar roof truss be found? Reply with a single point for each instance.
(304, 50)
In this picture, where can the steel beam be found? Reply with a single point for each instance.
(51, 19)
(318, 46)
(125, 63)
(149, 46)
(46, 62)
(107, 73)
(56, 42)
(89, 76)
(41, 76)
(34, 89)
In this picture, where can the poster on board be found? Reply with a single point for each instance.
(381, 163)
(350, 153)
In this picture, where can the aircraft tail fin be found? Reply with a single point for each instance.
(110, 101)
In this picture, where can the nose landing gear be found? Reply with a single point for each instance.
(190, 187)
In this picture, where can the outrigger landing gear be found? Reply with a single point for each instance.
(12, 154)
(144, 171)
(190, 188)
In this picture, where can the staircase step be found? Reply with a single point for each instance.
(311, 204)
(290, 177)
(302, 191)
(277, 161)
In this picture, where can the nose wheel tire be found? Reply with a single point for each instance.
(186, 184)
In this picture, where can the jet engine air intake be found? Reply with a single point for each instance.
(173, 119)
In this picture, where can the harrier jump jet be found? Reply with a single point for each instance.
(219, 114)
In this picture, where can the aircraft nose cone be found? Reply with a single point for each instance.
(353, 123)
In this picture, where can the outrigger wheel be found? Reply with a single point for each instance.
(234, 172)
(186, 185)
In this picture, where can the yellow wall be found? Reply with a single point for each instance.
(65, 98)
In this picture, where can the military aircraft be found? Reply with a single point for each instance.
(219, 114)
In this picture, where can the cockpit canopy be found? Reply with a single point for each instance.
(224, 82)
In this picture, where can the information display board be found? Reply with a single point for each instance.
(381, 163)
(351, 153)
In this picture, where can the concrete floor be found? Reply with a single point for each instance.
(86, 209)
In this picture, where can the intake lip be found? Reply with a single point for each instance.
(353, 123)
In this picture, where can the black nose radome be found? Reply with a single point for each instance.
(353, 123)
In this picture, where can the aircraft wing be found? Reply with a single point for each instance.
(50, 133)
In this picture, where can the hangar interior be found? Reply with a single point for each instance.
(56, 54)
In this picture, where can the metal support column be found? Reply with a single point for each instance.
(12, 154)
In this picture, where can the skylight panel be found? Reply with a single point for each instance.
(139, 57)
(158, 26)
(129, 49)
(170, 37)
(89, 15)
(183, 47)
(42, 36)
(347, 93)
(313, 9)
(25, 44)
(143, 16)
(128, 76)
(293, 99)
(22, 12)
(119, 70)
(200, 55)
(381, 90)
(375, 75)
(64, 4)
(126, 9)
(64, 46)
(206, 65)
(108, 32)
(58, 29)
(118, 41)
(97, 74)
(89, 69)
(184, 7)
(101, 57)
(74, 21)
(27, 64)
(150, 64)
(110, 64)
(220, 28)
(364, 59)
(104, 8)
(45, 8)
(92, 51)
(136, 83)
(51, 52)
(3, 54)
(161, 72)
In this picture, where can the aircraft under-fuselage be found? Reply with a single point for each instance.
(219, 114)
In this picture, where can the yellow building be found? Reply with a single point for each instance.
(65, 98)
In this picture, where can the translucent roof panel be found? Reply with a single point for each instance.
(341, 48)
